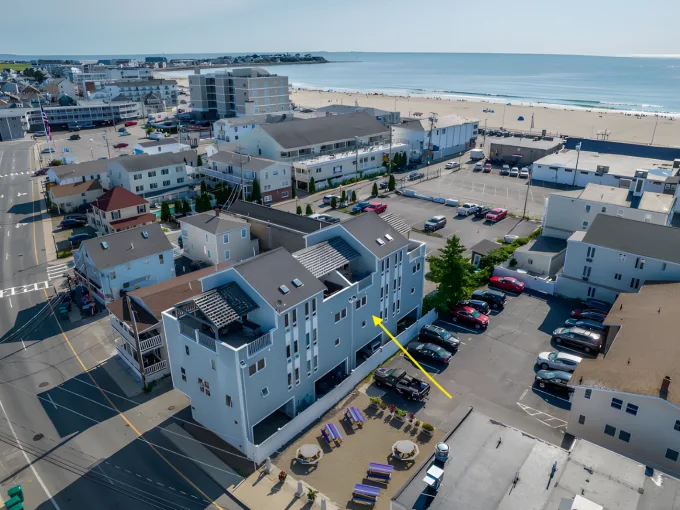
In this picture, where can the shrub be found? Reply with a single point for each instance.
(417, 424)
(392, 183)
(401, 412)
(383, 405)
(312, 186)
(165, 211)
(334, 202)
(298, 210)
(64, 253)
(376, 400)
(428, 427)
(309, 210)
(374, 191)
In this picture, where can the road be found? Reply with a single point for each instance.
(68, 434)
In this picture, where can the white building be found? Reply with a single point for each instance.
(126, 260)
(567, 212)
(80, 172)
(231, 128)
(274, 177)
(213, 238)
(119, 209)
(68, 197)
(129, 73)
(618, 255)
(137, 90)
(628, 400)
(162, 176)
(162, 146)
(437, 137)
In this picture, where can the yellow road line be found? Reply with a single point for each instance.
(378, 322)
(35, 246)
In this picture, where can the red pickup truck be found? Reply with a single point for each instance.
(376, 207)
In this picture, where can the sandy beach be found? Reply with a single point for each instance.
(556, 120)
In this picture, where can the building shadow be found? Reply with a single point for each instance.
(26, 208)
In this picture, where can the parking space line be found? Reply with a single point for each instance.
(544, 421)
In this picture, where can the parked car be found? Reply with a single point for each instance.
(404, 384)
(524, 173)
(495, 298)
(598, 327)
(558, 361)
(451, 165)
(596, 304)
(327, 199)
(370, 348)
(585, 313)
(435, 223)
(76, 239)
(124, 133)
(439, 336)
(477, 304)
(120, 145)
(469, 315)
(482, 211)
(40, 171)
(130, 123)
(376, 207)
(358, 208)
(384, 185)
(507, 283)
(414, 176)
(74, 137)
(39, 133)
(514, 171)
(478, 166)
(429, 351)
(467, 209)
(487, 168)
(71, 224)
(505, 170)
(584, 339)
(555, 378)
(84, 208)
(497, 214)
(76, 216)
(47, 150)
(328, 218)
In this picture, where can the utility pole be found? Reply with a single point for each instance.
(389, 159)
(107, 145)
(654, 132)
(87, 280)
(578, 154)
(433, 119)
(137, 342)
(243, 184)
(356, 162)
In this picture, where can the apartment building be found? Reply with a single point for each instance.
(213, 238)
(274, 334)
(274, 177)
(61, 87)
(129, 73)
(618, 255)
(240, 92)
(124, 261)
(13, 123)
(80, 172)
(567, 212)
(333, 148)
(161, 176)
(626, 400)
(230, 129)
(386, 117)
(68, 197)
(138, 90)
(86, 113)
(119, 209)
(437, 137)
(161, 146)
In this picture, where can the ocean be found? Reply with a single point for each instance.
(632, 84)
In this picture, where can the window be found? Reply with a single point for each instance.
(624, 436)
(413, 290)
(617, 403)
(588, 393)
(363, 324)
(309, 367)
(672, 455)
(313, 306)
(341, 315)
(226, 254)
(265, 391)
(294, 316)
(225, 239)
(166, 183)
(617, 276)
(228, 401)
(604, 209)
(586, 271)
(581, 419)
(165, 171)
(180, 180)
(585, 225)
(186, 349)
(290, 379)
(206, 237)
(256, 367)
(212, 363)
(591, 292)
(588, 208)
(295, 346)
(307, 344)
(152, 173)
(307, 310)
(153, 185)
(609, 430)
(634, 283)
(316, 362)
(632, 409)
(178, 169)
(207, 388)
(139, 188)
(208, 253)
(141, 209)
(136, 177)
(591, 252)
(663, 266)
(184, 374)
(677, 425)
(244, 233)
(286, 321)
(284, 194)
(337, 341)
(113, 275)
(288, 351)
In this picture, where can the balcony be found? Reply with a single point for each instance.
(236, 335)
(259, 344)
(350, 153)
(155, 368)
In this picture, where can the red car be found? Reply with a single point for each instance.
(507, 283)
(120, 145)
(376, 207)
(470, 315)
(42, 171)
(593, 315)
(487, 168)
(495, 215)
(130, 123)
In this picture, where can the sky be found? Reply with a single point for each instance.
(581, 27)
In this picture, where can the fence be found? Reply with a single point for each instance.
(531, 282)
(306, 418)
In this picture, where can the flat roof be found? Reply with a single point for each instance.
(155, 143)
(284, 219)
(645, 349)
(528, 143)
(545, 245)
(650, 201)
(236, 159)
(623, 166)
(480, 474)
(443, 121)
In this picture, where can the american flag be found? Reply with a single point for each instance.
(46, 123)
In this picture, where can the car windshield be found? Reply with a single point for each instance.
(439, 351)
(445, 335)
(475, 314)
(552, 356)
(433, 220)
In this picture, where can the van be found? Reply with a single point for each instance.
(329, 198)
(76, 239)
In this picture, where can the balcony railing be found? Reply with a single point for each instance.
(187, 331)
(151, 343)
(206, 341)
(259, 343)
(366, 282)
(157, 367)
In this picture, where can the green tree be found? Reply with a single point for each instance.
(452, 272)
(395, 161)
(312, 186)
(165, 211)
(55, 162)
(204, 187)
(199, 160)
(354, 196)
(186, 207)
(203, 203)
(309, 210)
(256, 195)
(334, 202)
(392, 183)
(178, 206)
(148, 130)
(298, 211)
(330, 183)
(374, 191)
(343, 196)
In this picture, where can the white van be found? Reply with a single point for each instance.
(329, 198)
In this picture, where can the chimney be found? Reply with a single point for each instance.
(217, 211)
(665, 384)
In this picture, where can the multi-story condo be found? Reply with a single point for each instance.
(240, 92)
(618, 255)
(124, 261)
(86, 113)
(119, 209)
(213, 238)
(230, 129)
(437, 137)
(274, 177)
(69, 197)
(333, 148)
(13, 123)
(626, 399)
(160, 176)
(274, 334)
(137, 90)
(129, 73)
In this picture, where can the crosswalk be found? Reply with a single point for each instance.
(58, 270)
(15, 173)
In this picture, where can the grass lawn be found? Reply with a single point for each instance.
(16, 67)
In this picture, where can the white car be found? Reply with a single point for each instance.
(451, 164)
(524, 173)
(514, 172)
(558, 361)
(467, 209)
(478, 166)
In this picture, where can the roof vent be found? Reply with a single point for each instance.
(284, 289)
(297, 283)
(105, 245)
(380, 242)
(389, 238)
(145, 234)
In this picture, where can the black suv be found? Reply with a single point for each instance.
(481, 212)
(439, 336)
(495, 298)
(477, 304)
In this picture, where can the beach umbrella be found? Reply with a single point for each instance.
(520, 118)
(492, 111)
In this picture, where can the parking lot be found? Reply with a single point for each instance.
(494, 370)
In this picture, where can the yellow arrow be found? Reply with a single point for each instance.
(377, 321)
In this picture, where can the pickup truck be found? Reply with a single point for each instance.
(404, 384)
